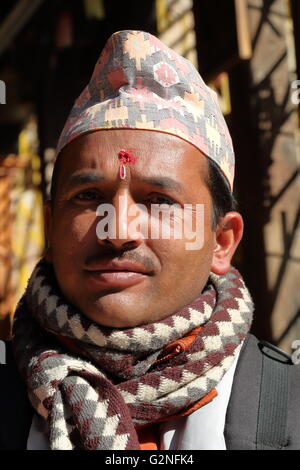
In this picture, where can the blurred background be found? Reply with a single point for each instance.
(247, 50)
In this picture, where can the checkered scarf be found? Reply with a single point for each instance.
(119, 379)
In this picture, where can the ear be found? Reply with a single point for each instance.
(228, 236)
(48, 229)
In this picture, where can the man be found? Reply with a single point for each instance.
(125, 339)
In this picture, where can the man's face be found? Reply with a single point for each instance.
(99, 277)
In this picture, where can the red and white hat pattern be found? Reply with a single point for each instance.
(139, 83)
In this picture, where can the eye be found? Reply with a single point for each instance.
(87, 195)
(160, 199)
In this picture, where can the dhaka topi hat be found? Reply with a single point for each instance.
(139, 83)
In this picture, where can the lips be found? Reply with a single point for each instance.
(117, 273)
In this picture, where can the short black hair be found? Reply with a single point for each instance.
(56, 168)
(223, 200)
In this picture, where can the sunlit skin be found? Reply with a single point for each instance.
(168, 170)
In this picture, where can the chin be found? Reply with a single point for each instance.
(124, 310)
(112, 318)
(110, 322)
(117, 310)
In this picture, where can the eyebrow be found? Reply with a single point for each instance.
(85, 178)
(162, 182)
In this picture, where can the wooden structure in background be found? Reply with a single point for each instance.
(265, 130)
(7, 173)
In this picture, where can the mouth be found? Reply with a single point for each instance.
(117, 278)
(117, 274)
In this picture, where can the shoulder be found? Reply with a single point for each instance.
(266, 390)
(15, 409)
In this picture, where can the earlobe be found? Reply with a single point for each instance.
(228, 236)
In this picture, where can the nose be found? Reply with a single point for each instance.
(120, 231)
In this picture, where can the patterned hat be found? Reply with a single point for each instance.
(139, 83)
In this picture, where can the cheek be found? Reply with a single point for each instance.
(83, 227)
(180, 264)
(193, 251)
(72, 231)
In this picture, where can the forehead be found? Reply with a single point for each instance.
(156, 152)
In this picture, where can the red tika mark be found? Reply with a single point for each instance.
(125, 157)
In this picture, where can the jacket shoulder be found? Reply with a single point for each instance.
(15, 409)
(243, 412)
